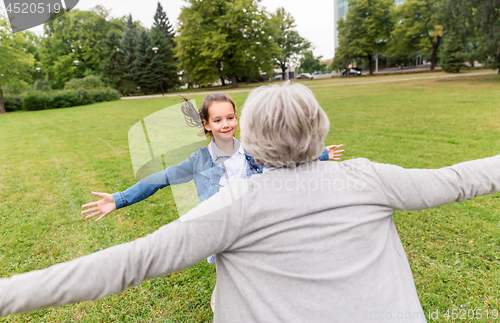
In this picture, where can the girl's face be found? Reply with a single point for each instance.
(222, 120)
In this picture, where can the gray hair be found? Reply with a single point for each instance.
(283, 126)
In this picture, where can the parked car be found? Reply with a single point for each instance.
(278, 77)
(305, 76)
(352, 71)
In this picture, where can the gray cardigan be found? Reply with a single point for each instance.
(311, 244)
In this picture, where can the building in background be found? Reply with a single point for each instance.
(340, 8)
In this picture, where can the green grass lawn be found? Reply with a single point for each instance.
(51, 160)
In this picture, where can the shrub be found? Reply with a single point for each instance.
(38, 100)
(64, 99)
(42, 85)
(91, 82)
(12, 103)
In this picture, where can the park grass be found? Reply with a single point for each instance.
(332, 79)
(51, 160)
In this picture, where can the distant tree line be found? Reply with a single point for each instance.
(217, 40)
(451, 32)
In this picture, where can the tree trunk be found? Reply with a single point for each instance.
(435, 48)
(233, 79)
(283, 71)
(2, 107)
(370, 63)
(223, 83)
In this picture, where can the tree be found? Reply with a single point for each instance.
(114, 62)
(368, 24)
(459, 19)
(452, 55)
(309, 63)
(416, 29)
(344, 52)
(144, 66)
(224, 38)
(16, 65)
(162, 37)
(163, 24)
(77, 35)
(287, 39)
(488, 17)
(129, 44)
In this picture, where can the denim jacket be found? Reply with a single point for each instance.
(198, 167)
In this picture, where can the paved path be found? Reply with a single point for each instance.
(322, 85)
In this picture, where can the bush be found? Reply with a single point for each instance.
(90, 82)
(38, 100)
(12, 103)
(42, 85)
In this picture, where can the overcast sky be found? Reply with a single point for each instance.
(314, 18)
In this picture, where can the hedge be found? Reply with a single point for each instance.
(39, 100)
(12, 102)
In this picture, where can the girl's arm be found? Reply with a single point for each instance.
(180, 173)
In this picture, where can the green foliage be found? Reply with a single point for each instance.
(162, 36)
(224, 39)
(162, 23)
(289, 41)
(344, 52)
(39, 100)
(417, 29)
(13, 102)
(77, 35)
(42, 85)
(16, 65)
(452, 56)
(113, 66)
(366, 29)
(337, 64)
(488, 18)
(459, 19)
(129, 43)
(144, 65)
(309, 63)
(91, 82)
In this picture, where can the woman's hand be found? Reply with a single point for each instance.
(334, 153)
(104, 207)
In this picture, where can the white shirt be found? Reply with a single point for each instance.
(236, 166)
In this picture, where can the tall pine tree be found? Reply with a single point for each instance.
(144, 66)
(165, 59)
(163, 24)
(129, 44)
(113, 65)
(162, 37)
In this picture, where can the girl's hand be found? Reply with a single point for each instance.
(104, 207)
(334, 153)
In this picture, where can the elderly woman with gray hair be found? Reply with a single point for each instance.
(306, 242)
